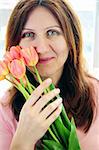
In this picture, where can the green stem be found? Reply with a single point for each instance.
(19, 86)
(37, 74)
(23, 91)
(33, 87)
(29, 85)
(45, 91)
(21, 81)
(9, 81)
(38, 77)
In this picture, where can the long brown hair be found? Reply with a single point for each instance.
(75, 89)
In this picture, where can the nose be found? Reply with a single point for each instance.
(41, 45)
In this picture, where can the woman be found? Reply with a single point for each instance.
(53, 29)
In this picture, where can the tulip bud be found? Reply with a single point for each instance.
(7, 57)
(30, 56)
(15, 52)
(17, 68)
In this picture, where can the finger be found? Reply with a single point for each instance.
(45, 99)
(53, 116)
(50, 108)
(38, 91)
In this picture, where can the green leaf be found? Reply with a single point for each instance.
(45, 147)
(65, 119)
(52, 145)
(73, 139)
(63, 114)
(62, 131)
(55, 131)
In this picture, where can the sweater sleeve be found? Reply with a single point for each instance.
(7, 127)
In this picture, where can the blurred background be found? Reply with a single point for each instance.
(88, 12)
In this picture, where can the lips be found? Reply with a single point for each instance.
(45, 60)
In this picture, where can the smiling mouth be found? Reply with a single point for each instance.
(45, 60)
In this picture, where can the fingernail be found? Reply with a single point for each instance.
(49, 80)
(57, 91)
(59, 100)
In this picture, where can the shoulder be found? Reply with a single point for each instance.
(94, 85)
(95, 82)
(7, 119)
(8, 126)
(90, 140)
(95, 93)
(7, 95)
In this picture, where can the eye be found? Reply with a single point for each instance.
(28, 35)
(52, 33)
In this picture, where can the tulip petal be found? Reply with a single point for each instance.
(15, 52)
(17, 68)
(3, 69)
(2, 77)
(7, 57)
(30, 56)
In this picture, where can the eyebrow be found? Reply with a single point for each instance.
(45, 28)
(53, 27)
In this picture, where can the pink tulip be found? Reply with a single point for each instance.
(30, 56)
(7, 57)
(3, 70)
(15, 52)
(17, 68)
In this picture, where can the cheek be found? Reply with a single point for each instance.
(25, 43)
(60, 47)
(62, 52)
(62, 57)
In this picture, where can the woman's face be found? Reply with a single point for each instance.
(43, 32)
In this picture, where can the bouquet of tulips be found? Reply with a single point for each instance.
(61, 135)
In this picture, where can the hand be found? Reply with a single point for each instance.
(34, 118)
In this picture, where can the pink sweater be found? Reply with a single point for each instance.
(8, 125)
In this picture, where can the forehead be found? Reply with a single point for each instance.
(41, 16)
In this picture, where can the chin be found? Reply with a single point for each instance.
(45, 74)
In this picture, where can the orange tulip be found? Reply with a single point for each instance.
(30, 56)
(3, 70)
(2, 77)
(15, 52)
(17, 68)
